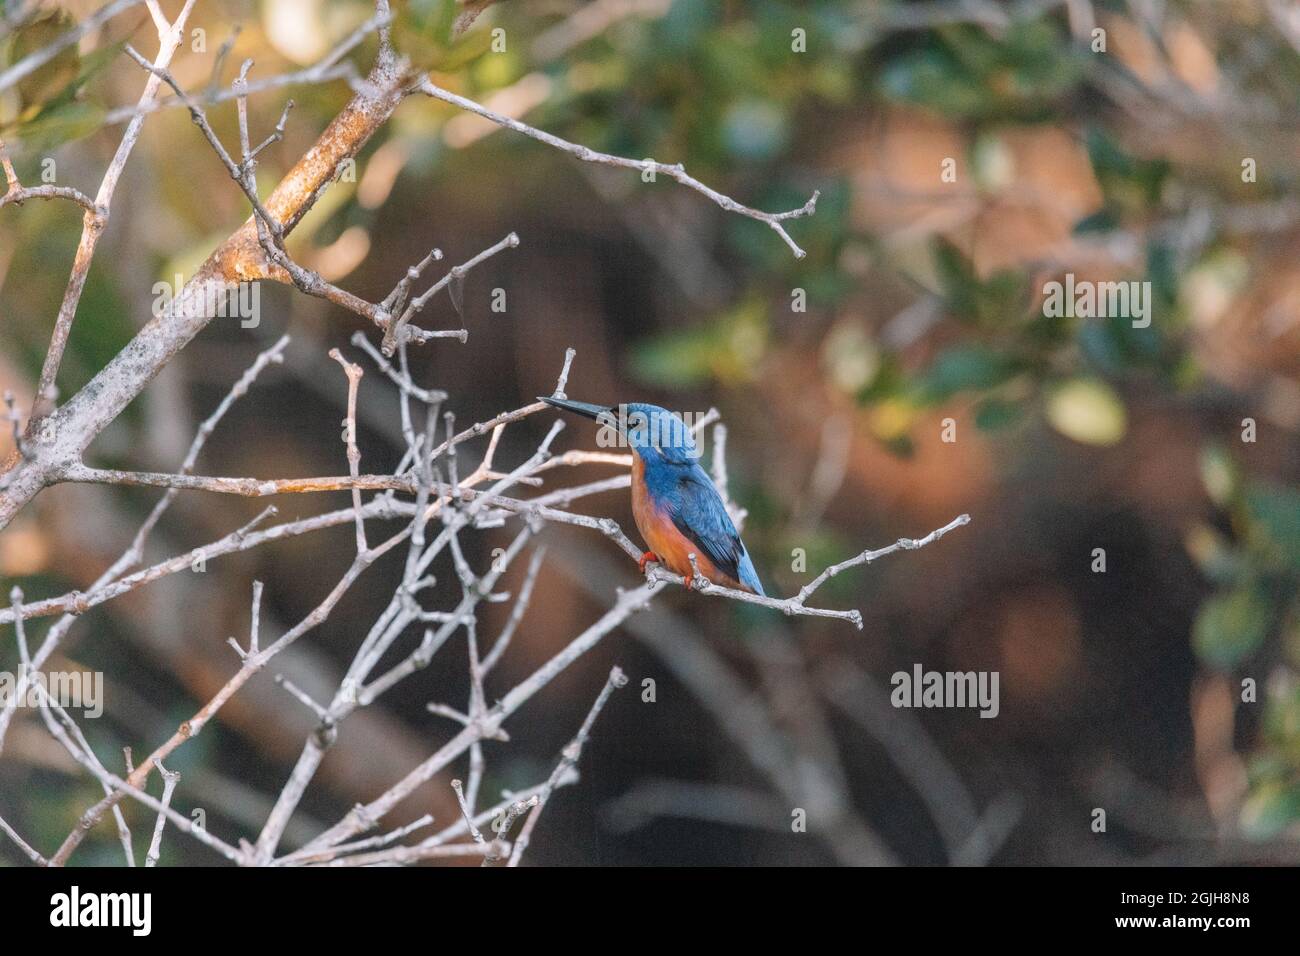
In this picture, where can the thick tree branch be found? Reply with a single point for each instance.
(240, 258)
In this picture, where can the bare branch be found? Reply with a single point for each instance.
(18, 194)
(96, 219)
(586, 154)
(568, 761)
(398, 331)
(324, 70)
(22, 844)
(240, 258)
(170, 779)
(353, 372)
(436, 493)
(135, 552)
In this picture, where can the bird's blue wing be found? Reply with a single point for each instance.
(701, 516)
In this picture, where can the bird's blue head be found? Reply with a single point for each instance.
(654, 433)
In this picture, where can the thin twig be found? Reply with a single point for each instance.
(586, 154)
(170, 779)
(568, 760)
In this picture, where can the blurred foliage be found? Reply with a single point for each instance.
(726, 350)
(715, 85)
(963, 72)
(424, 30)
(999, 353)
(1256, 604)
(736, 73)
(46, 108)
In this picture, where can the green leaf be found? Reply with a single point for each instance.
(91, 66)
(1276, 512)
(934, 78)
(1103, 349)
(728, 350)
(61, 125)
(1282, 719)
(467, 48)
(1270, 810)
(422, 29)
(993, 414)
(1219, 474)
(755, 130)
(989, 303)
(957, 277)
(1087, 411)
(1130, 184)
(964, 368)
(1103, 220)
(963, 72)
(1230, 627)
(53, 76)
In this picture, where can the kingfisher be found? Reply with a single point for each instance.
(675, 505)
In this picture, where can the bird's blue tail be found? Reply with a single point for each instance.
(748, 576)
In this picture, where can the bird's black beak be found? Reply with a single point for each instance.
(601, 413)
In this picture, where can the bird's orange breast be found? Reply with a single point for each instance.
(664, 539)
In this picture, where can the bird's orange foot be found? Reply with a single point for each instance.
(646, 559)
(696, 582)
